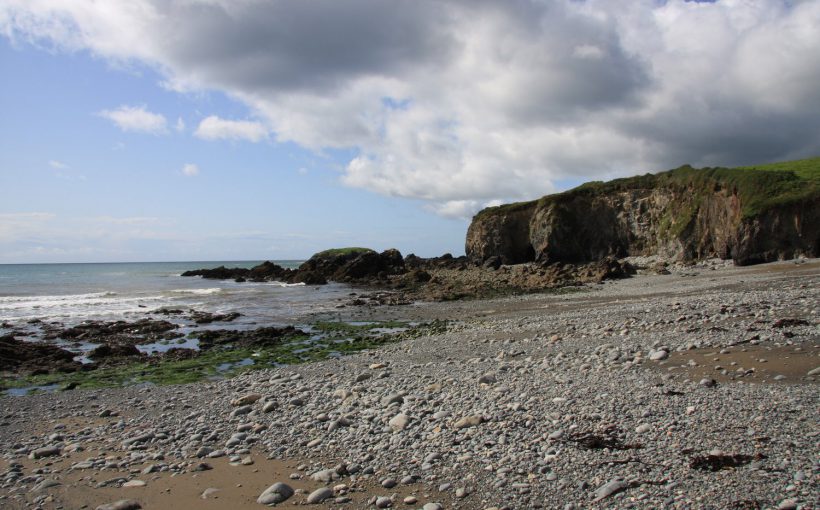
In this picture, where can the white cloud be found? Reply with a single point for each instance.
(136, 119)
(190, 170)
(180, 125)
(459, 103)
(58, 165)
(17, 225)
(214, 128)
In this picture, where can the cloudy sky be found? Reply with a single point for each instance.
(251, 129)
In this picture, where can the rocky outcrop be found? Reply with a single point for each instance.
(750, 216)
(34, 357)
(355, 264)
(264, 272)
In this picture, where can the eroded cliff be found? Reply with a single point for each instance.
(750, 215)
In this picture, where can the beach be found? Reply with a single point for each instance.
(653, 391)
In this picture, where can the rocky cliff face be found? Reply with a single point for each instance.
(683, 214)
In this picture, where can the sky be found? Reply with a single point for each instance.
(160, 130)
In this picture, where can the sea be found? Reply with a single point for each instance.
(72, 293)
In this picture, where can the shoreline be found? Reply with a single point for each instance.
(497, 410)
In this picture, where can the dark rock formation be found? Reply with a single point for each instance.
(114, 351)
(747, 215)
(36, 358)
(356, 265)
(260, 337)
(122, 332)
(264, 272)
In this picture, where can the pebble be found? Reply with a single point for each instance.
(399, 422)
(468, 421)
(209, 493)
(275, 494)
(319, 495)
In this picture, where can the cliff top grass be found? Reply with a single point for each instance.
(759, 187)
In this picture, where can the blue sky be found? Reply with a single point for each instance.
(153, 130)
(104, 194)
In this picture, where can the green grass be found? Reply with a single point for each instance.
(759, 188)
(340, 338)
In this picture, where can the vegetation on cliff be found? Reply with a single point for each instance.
(759, 187)
(751, 214)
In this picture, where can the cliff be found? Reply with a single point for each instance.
(751, 215)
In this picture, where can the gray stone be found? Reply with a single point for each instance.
(399, 422)
(48, 451)
(319, 495)
(610, 488)
(468, 421)
(275, 494)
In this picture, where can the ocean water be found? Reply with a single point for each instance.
(72, 293)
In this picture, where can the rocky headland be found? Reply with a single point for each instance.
(748, 215)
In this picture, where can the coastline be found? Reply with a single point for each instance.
(494, 409)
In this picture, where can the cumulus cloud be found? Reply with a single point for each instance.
(57, 165)
(461, 103)
(214, 128)
(136, 119)
(190, 170)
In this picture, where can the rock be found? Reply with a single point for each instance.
(209, 493)
(134, 483)
(123, 504)
(45, 484)
(640, 429)
(432, 506)
(787, 504)
(246, 399)
(325, 476)
(142, 438)
(275, 494)
(399, 422)
(47, 451)
(383, 502)
(320, 495)
(814, 371)
(393, 398)
(240, 411)
(610, 488)
(708, 382)
(468, 421)
(389, 483)
(487, 379)
(588, 223)
(269, 407)
(658, 355)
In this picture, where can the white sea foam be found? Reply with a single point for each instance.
(199, 292)
(70, 305)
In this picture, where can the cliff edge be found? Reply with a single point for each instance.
(750, 215)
